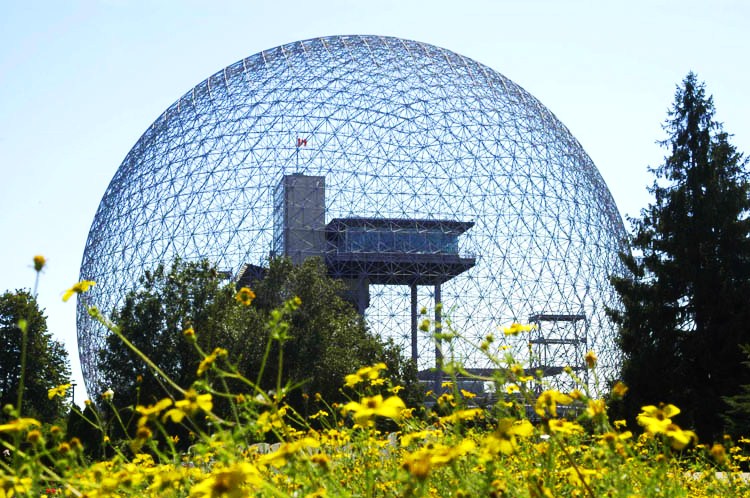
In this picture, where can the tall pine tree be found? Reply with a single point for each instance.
(685, 314)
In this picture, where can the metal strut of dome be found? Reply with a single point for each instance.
(399, 130)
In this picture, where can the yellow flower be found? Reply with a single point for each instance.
(369, 373)
(39, 262)
(19, 424)
(82, 286)
(270, 420)
(194, 402)
(679, 438)
(591, 359)
(596, 407)
(546, 403)
(320, 413)
(143, 433)
(718, 453)
(579, 476)
(420, 462)
(459, 415)
(11, 486)
(564, 427)
(613, 438)
(516, 328)
(245, 296)
(189, 333)
(503, 439)
(147, 412)
(60, 390)
(352, 380)
(279, 457)
(619, 390)
(410, 437)
(655, 420)
(34, 436)
(371, 407)
(209, 360)
(108, 394)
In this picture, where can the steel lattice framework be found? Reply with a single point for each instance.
(399, 129)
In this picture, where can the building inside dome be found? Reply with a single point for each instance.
(424, 159)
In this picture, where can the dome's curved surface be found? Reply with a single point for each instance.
(399, 129)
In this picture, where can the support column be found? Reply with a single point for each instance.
(414, 327)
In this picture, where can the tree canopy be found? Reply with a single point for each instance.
(328, 339)
(47, 363)
(684, 314)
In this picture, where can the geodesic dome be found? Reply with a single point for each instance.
(399, 130)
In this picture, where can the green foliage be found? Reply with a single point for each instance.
(154, 318)
(323, 338)
(328, 338)
(684, 311)
(46, 359)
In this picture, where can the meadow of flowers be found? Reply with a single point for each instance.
(529, 441)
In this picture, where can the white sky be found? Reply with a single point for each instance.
(80, 81)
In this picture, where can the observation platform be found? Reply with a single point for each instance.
(391, 251)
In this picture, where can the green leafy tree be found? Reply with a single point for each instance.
(327, 339)
(47, 363)
(154, 318)
(685, 313)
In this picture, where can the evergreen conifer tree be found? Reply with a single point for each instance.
(685, 315)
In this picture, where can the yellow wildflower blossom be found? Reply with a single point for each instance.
(516, 328)
(655, 420)
(371, 407)
(420, 462)
(503, 439)
(19, 424)
(245, 296)
(596, 407)
(546, 403)
(679, 438)
(619, 389)
(192, 403)
(270, 420)
(562, 426)
(60, 390)
(80, 287)
(459, 415)
(718, 452)
(369, 373)
(209, 360)
(279, 457)
(235, 481)
(147, 412)
(407, 439)
(39, 262)
(591, 359)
